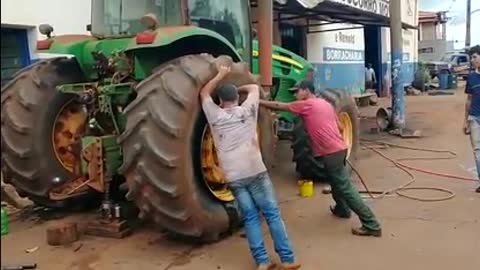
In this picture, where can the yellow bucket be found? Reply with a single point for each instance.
(305, 188)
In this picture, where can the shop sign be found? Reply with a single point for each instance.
(379, 7)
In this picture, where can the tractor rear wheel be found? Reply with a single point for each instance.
(37, 131)
(171, 171)
(306, 165)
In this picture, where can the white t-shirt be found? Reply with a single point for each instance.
(234, 135)
(370, 75)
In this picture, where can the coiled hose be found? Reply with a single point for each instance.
(401, 190)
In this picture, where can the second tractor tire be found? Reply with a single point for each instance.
(306, 165)
(30, 104)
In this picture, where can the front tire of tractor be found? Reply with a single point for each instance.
(161, 149)
(30, 103)
(306, 165)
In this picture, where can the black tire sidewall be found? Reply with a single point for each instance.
(41, 79)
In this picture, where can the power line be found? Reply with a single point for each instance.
(451, 5)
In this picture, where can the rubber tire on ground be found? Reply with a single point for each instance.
(161, 149)
(30, 104)
(306, 165)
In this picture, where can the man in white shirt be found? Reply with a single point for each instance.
(234, 128)
(370, 78)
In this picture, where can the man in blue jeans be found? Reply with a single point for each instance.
(472, 107)
(233, 128)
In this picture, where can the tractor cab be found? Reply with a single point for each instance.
(125, 18)
(120, 18)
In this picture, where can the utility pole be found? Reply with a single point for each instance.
(469, 20)
(265, 38)
(396, 41)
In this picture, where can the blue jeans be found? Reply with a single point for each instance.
(257, 193)
(474, 123)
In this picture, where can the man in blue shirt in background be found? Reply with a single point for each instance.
(472, 107)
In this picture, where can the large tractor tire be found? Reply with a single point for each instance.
(162, 149)
(349, 123)
(30, 106)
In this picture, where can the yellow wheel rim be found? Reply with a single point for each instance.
(346, 129)
(212, 173)
(68, 128)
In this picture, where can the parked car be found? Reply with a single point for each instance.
(453, 63)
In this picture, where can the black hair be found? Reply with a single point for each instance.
(227, 92)
(475, 49)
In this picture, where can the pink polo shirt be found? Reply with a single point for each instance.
(320, 122)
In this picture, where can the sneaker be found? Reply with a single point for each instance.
(362, 231)
(338, 214)
(477, 190)
(291, 266)
(270, 266)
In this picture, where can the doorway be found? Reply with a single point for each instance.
(373, 53)
(293, 38)
(15, 53)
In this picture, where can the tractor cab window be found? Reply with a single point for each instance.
(122, 17)
(228, 18)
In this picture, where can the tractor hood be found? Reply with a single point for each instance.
(82, 47)
(282, 59)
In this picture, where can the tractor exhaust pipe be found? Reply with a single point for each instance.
(265, 39)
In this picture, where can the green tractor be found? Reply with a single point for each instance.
(118, 112)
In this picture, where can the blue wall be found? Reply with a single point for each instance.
(15, 53)
(349, 77)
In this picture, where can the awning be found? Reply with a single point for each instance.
(362, 12)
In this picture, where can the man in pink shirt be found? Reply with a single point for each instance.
(320, 121)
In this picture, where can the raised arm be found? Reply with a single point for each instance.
(208, 88)
(253, 96)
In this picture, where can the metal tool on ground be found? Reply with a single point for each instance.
(113, 222)
(19, 267)
(113, 227)
(383, 118)
(106, 209)
(384, 122)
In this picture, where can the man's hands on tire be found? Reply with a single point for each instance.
(223, 71)
(207, 89)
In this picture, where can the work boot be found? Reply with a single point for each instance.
(269, 266)
(362, 231)
(291, 266)
(339, 214)
(477, 190)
